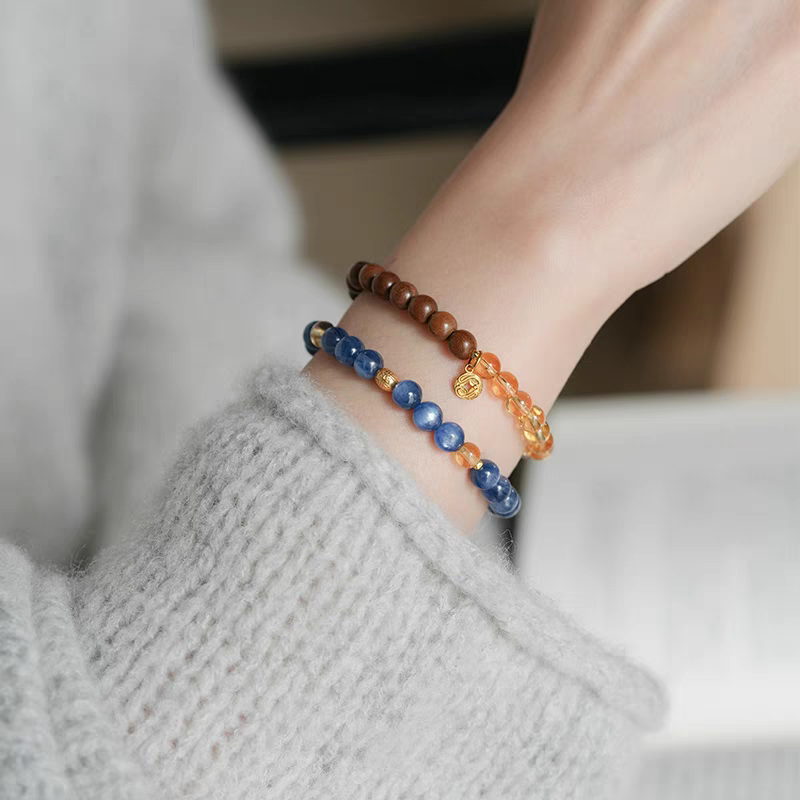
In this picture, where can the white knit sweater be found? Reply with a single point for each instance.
(285, 616)
(296, 621)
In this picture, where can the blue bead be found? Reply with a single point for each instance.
(367, 363)
(485, 477)
(449, 436)
(307, 338)
(499, 491)
(347, 349)
(331, 338)
(508, 507)
(407, 394)
(427, 416)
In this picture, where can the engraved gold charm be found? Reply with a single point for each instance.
(468, 385)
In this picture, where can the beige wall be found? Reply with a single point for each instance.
(761, 342)
(358, 200)
(279, 26)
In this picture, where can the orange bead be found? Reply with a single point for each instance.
(468, 455)
(519, 404)
(505, 385)
(488, 365)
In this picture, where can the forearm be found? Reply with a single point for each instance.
(622, 152)
(502, 260)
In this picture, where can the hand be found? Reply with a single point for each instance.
(651, 124)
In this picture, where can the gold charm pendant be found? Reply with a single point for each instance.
(468, 385)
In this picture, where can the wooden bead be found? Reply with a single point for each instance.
(469, 455)
(488, 365)
(505, 385)
(401, 294)
(368, 274)
(441, 324)
(352, 276)
(353, 288)
(422, 307)
(383, 283)
(462, 344)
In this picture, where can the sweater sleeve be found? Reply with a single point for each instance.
(298, 621)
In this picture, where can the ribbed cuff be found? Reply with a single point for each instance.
(299, 619)
(528, 617)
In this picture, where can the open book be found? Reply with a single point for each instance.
(671, 526)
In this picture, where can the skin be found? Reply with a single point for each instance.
(638, 130)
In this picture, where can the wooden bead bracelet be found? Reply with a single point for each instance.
(364, 276)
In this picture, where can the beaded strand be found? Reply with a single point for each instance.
(364, 276)
(503, 499)
(529, 417)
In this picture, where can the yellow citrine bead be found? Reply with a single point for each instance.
(531, 423)
(468, 455)
(519, 404)
(540, 451)
(505, 385)
(538, 434)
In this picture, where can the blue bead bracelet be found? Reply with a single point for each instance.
(502, 497)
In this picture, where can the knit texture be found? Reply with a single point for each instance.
(298, 621)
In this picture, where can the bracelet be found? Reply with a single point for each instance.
(503, 499)
(364, 276)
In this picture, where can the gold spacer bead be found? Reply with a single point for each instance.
(315, 335)
(479, 465)
(386, 379)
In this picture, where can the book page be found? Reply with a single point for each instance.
(671, 526)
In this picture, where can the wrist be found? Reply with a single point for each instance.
(504, 260)
(502, 248)
(508, 278)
